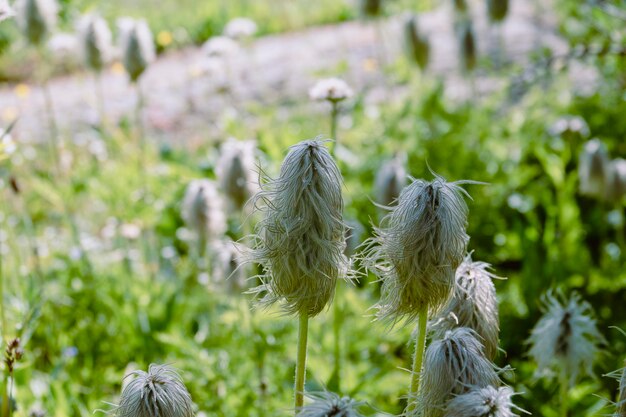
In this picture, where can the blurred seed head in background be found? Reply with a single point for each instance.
(36, 19)
(96, 42)
(483, 402)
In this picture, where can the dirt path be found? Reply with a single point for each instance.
(273, 69)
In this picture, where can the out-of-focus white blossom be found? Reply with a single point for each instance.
(331, 89)
(240, 28)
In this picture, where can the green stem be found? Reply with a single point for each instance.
(334, 113)
(334, 384)
(303, 332)
(418, 360)
(564, 391)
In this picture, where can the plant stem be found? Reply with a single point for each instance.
(418, 359)
(334, 384)
(303, 332)
(334, 113)
(564, 391)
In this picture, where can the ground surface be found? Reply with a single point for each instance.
(181, 104)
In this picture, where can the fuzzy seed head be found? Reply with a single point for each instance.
(570, 125)
(371, 8)
(331, 89)
(594, 169)
(617, 184)
(301, 239)
(6, 11)
(566, 338)
(95, 41)
(202, 210)
(497, 10)
(416, 42)
(36, 18)
(229, 271)
(236, 172)
(473, 305)
(418, 248)
(160, 392)
(221, 47)
(390, 180)
(453, 366)
(138, 50)
(483, 402)
(240, 28)
(467, 46)
(329, 404)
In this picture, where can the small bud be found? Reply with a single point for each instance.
(138, 49)
(159, 392)
(473, 305)
(483, 402)
(594, 169)
(202, 210)
(240, 28)
(416, 42)
(301, 239)
(236, 172)
(390, 180)
(417, 249)
(329, 404)
(36, 18)
(452, 366)
(497, 10)
(331, 89)
(566, 338)
(95, 41)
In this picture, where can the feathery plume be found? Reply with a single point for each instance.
(236, 171)
(416, 42)
(566, 338)
(617, 184)
(483, 402)
(473, 305)
(467, 45)
(158, 392)
(594, 169)
(36, 18)
(620, 404)
(331, 89)
(329, 404)
(138, 49)
(96, 41)
(6, 11)
(453, 366)
(202, 210)
(497, 10)
(418, 247)
(390, 180)
(240, 28)
(301, 238)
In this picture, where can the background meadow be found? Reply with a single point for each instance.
(99, 273)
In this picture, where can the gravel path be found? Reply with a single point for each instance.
(273, 69)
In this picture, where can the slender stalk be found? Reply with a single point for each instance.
(334, 384)
(334, 114)
(564, 388)
(100, 97)
(303, 332)
(418, 359)
(49, 109)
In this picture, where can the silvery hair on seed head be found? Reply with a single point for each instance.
(483, 402)
(36, 18)
(138, 50)
(160, 392)
(202, 210)
(95, 41)
(6, 11)
(390, 180)
(473, 305)
(452, 366)
(236, 171)
(566, 338)
(300, 241)
(417, 248)
(620, 404)
(329, 404)
(354, 232)
(594, 169)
